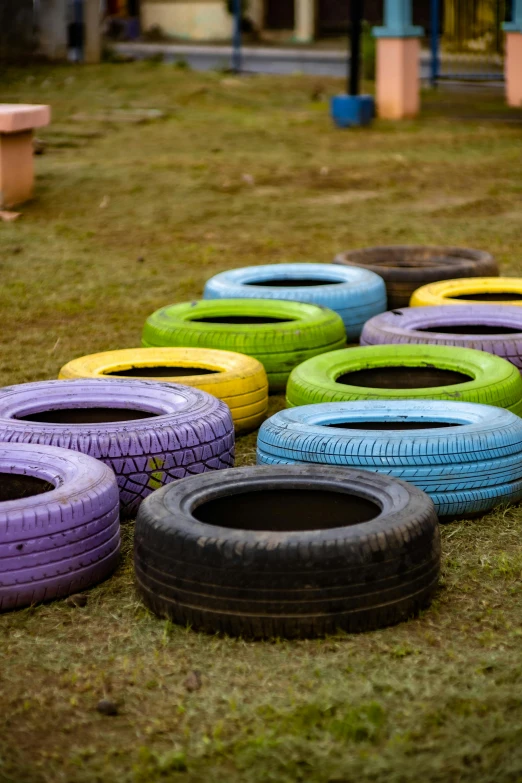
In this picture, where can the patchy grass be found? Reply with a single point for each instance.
(130, 216)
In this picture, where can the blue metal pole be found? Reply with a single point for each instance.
(355, 46)
(236, 42)
(435, 58)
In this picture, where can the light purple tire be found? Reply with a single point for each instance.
(59, 523)
(489, 328)
(149, 433)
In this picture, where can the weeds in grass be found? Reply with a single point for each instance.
(435, 699)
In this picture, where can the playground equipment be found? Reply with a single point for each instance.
(236, 39)
(461, 19)
(353, 109)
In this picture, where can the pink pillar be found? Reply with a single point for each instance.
(17, 122)
(397, 78)
(513, 68)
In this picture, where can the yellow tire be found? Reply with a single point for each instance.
(470, 290)
(238, 380)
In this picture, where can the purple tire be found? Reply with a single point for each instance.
(59, 523)
(149, 433)
(489, 328)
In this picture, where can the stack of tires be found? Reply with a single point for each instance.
(74, 456)
(460, 358)
(311, 539)
(458, 449)
(270, 551)
(467, 353)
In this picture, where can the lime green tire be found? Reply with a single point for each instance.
(279, 334)
(433, 372)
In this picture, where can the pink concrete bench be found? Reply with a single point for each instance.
(17, 122)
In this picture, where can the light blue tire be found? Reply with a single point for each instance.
(469, 463)
(356, 294)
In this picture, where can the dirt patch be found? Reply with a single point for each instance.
(339, 199)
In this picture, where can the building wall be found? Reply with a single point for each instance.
(197, 20)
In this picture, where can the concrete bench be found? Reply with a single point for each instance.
(17, 122)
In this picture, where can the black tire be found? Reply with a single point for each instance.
(404, 268)
(353, 575)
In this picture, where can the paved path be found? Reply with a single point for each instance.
(276, 60)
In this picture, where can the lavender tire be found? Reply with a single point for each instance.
(63, 539)
(496, 330)
(186, 430)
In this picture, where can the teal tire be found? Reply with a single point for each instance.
(356, 294)
(466, 457)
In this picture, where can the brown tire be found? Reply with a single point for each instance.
(404, 268)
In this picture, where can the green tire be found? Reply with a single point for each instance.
(415, 370)
(279, 334)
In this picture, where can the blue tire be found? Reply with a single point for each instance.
(467, 457)
(356, 294)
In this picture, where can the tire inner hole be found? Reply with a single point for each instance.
(241, 319)
(508, 297)
(470, 329)
(403, 377)
(86, 415)
(392, 425)
(161, 372)
(280, 510)
(15, 486)
(294, 282)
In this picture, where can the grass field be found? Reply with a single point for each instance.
(130, 216)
